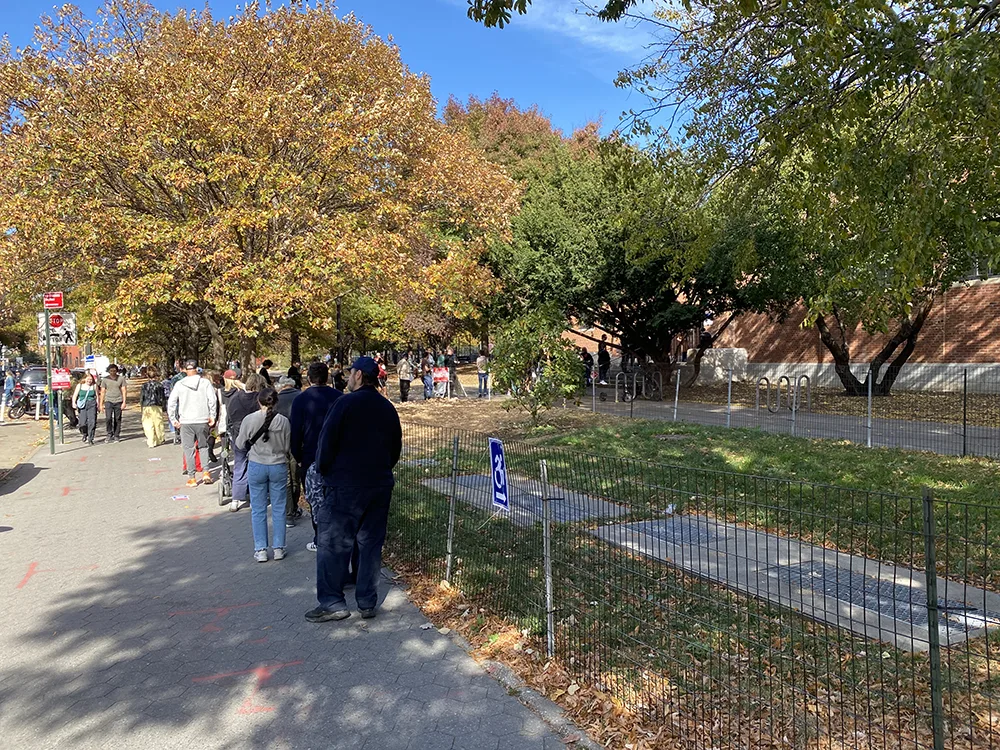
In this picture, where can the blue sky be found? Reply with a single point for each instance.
(555, 56)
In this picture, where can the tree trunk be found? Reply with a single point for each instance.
(248, 355)
(700, 352)
(295, 354)
(906, 335)
(217, 345)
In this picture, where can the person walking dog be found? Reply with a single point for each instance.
(358, 447)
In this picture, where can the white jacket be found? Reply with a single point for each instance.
(192, 401)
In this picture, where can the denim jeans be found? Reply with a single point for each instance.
(346, 515)
(484, 384)
(239, 474)
(267, 481)
(428, 386)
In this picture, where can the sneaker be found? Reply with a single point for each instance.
(279, 553)
(260, 555)
(289, 523)
(324, 615)
(603, 382)
(206, 478)
(311, 546)
(237, 505)
(367, 614)
(192, 482)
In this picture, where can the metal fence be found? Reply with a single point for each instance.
(954, 412)
(729, 610)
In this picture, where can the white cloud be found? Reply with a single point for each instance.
(569, 18)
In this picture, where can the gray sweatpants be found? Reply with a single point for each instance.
(189, 434)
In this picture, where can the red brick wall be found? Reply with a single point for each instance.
(963, 327)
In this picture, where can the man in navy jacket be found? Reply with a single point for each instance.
(359, 445)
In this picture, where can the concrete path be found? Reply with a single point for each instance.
(935, 437)
(133, 617)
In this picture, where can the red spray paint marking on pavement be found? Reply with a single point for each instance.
(67, 490)
(219, 613)
(263, 674)
(258, 641)
(34, 570)
(82, 459)
(198, 517)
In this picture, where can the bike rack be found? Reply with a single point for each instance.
(619, 375)
(793, 396)
(655, 377)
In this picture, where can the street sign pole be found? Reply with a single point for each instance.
(48, 384)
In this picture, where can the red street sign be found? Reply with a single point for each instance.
(56, 320)
(61, 379)
(52, 300)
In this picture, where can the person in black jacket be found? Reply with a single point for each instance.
(265, 371)
(241, 403)
(358, 447)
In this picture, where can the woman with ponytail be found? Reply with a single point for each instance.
(265, 437)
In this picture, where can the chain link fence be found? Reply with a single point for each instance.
(729, 610)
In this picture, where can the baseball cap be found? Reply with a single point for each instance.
(231, 374)
(190, 364)
(366, 365)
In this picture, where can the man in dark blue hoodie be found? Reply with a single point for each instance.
(308, 412)
(358, 447)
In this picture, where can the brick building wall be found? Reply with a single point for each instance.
(963, 327)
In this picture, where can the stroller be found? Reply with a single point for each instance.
(226, 472)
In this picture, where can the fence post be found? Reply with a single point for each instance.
(550, 614)
(677, 391)
(965, 412)
(38, 408)
(451, 510)
(870, 378)
(795, 406)
(59, 413)
(729, 400)
(3, 407)
(933, 634)
(593, 387)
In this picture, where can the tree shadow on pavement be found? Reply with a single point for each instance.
(18, 477)
(180, 638)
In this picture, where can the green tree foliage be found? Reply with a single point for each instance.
(533, 361)
(500, 12)
(876, 126)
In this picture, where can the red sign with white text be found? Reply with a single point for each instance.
(60, 379)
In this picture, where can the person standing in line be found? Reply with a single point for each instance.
(483, 371)
(295, 373)
(359, 446)
(153, 403)
(241, 402)
(85, 403)
(427, 372)
(451, 362)
(309, 410)
(8, 386)
(286, 395)
(193, 409)
(265, 371)
(265, 438)
(603, 362)
(404, 371)
(114, 392)
(588, 366)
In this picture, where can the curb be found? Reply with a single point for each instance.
(548, 711)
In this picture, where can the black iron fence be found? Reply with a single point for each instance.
(947, 411)
(733, 611)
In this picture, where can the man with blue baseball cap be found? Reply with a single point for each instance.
(358, 447)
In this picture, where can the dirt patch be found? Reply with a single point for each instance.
(492, 417)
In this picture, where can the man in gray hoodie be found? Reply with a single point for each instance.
(192, 410)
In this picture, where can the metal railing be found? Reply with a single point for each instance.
(731, 610)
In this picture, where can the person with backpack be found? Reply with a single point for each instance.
(266, 437)
(241, 401)
(153, 403)
(193, 408)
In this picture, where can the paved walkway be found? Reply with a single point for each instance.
(132, 618)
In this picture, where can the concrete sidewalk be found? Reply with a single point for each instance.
(134, 617)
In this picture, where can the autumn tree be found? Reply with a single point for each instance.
(228, 177)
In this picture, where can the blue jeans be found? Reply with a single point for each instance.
(267, 480)
(484, 384)
(346, 515)
(428, 386)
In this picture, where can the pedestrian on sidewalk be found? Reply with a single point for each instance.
(404, 371)
(603, 362)
(241, 402)
(193, 410)
(153, 404)
(265, 371)
(483, 371)
(265, 436)
(427, 373)
(287, 392)
(358, 447)
(8, 386)
(85, 403)
(112, 402)
(309, 410)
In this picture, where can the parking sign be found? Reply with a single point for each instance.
(498, 466)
